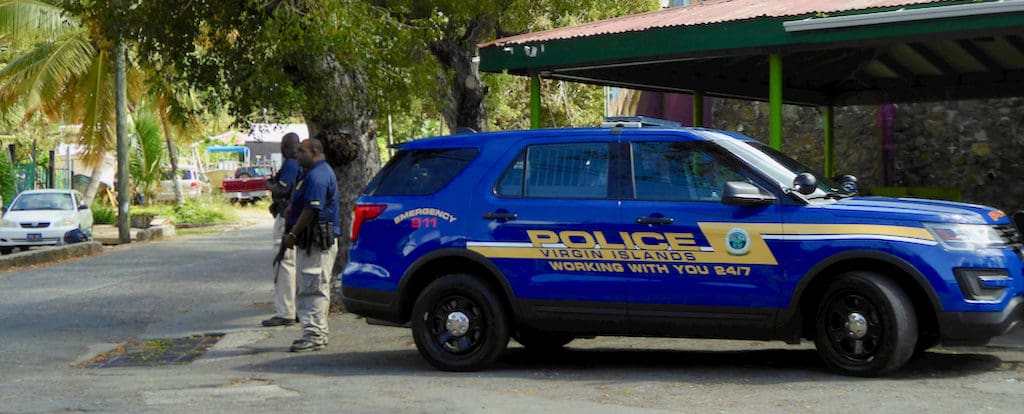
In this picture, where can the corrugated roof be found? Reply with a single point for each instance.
(707, 12)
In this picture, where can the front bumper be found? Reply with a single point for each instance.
(50, 236)
(977, 328)
(246, 195)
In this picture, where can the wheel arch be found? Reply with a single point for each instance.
(797, 320)
(442, 262)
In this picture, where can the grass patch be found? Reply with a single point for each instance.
(194, 213)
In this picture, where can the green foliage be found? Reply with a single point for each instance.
(563, 104)
(101, 214)
(65, 75)
(8, 187)
(273, 59)
(195, 214)
(192, 213)
(147, 152)
(64, 71)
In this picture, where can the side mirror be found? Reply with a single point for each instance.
(805, 183)
(83, 207)
(848, 183)
(739, 193)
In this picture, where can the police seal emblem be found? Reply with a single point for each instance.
(737, 242)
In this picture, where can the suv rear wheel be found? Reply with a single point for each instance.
(865, 324)
(459, 324)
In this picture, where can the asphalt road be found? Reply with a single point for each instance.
(53, 318)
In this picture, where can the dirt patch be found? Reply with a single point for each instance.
(154, 352)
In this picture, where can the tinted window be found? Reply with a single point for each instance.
(578, 170)
(184, 174)
(511, 183)
(420, 172)
(680, 171)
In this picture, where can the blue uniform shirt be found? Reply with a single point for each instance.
(289, 174)
(317, 190)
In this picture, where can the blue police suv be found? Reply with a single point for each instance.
(630, 229)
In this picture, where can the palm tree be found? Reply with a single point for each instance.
(147, 152)
(66, 77)
(69, 77)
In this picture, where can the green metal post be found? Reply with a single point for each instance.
(534, 101)
(775, 100)
(829, 133)
(698, 109)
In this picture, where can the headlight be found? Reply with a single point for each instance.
(66, 221)
(966, 236)
(10, 223)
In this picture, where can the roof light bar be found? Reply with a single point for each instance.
(637, 122)
(904, 15)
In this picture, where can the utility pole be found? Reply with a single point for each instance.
(123, 216)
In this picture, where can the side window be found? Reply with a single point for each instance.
(420, 172)
(680, 171)
(574, 170)
(511, 183)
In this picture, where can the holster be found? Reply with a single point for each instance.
(279, 206)
(320, 235)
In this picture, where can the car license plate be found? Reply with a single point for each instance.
(34, 236)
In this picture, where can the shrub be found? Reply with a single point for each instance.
(8, 187)
(103, 215)
(194, 214)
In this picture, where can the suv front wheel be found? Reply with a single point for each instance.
(459, 324)
(865, 324)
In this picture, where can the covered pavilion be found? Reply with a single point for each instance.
(800, 52)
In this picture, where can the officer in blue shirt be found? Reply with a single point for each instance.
(281, 186)
(315, 226)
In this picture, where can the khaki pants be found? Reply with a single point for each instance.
(314, 295)
(284, 286)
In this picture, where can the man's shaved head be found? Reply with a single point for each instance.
(289, 143)
(309, 153)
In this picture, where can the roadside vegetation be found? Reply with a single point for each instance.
(194, 213)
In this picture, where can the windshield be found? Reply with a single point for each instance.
(776, 165)
(43, 201)
(258, 171)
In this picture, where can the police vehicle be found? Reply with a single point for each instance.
(639, 228)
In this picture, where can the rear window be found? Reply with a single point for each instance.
(420, 172)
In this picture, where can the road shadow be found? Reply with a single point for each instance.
(755, 367)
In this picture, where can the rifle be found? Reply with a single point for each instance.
(277, 260)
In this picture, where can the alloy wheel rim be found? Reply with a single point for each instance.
(854, 327)
(456, 325)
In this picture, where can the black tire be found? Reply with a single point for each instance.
(866, 325)
(6, 250)
(536, 341)
(447, 345)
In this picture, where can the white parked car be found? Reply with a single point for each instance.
(44, 217)
(191, 182)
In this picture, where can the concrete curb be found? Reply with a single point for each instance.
(108, 235)
(49, 255)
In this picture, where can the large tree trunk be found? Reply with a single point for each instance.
(345, 123)
(94, 181)
(463, 92)
(172, 156)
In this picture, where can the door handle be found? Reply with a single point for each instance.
(501, 216)
(654, 220)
